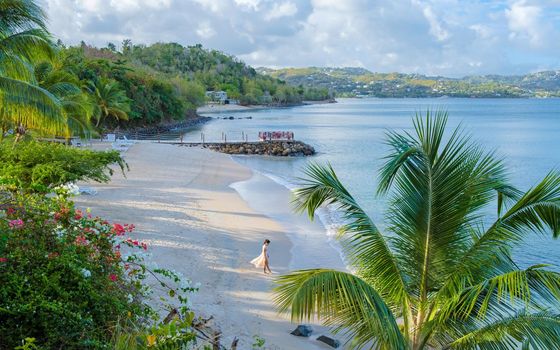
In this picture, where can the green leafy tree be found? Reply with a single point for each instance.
(40, 166)
(23, 41)
(439, 278)
(109, 100)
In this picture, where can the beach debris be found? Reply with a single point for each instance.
(234, 343)
(174, 313)
(329, 341)
(208, 332)
(302, 331)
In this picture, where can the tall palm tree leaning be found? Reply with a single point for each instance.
(24, 40)
(109, 100)
(439, 278)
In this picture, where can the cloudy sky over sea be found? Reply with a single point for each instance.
(437, 37)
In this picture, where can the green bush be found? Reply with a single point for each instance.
(41, 166)
(70, 280)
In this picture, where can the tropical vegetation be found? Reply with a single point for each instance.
(42, 167)
(50, 90)
(441, 274)
(24, 41)
(71, 280)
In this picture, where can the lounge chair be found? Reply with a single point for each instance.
(125, 140)
(109, 138)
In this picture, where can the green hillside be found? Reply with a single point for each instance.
(361, 82)
(143, 85)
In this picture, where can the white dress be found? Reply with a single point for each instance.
(259, 260)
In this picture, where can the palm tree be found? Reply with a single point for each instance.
(109, 100)
(23, 41)
(65, 86)
(439, 278)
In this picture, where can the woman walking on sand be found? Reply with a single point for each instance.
(262, 260)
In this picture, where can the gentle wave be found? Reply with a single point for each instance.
(329, 216)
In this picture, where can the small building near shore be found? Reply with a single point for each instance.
(217, 96)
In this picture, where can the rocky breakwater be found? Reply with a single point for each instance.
(269, 148)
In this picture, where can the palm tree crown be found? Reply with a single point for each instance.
(109, 100)
(439, 278)
(24, 40)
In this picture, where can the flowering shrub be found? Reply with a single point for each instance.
(69, 280)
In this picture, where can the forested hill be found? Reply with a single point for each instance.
(361, 82)
(143, 85)
(215, 70)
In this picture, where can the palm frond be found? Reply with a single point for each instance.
(33, 45)
(17, 15)
(366, 248)
(531, 330)
(30, 106)
(437, 189)
(344, 302)
(528, 288)
(538, 210)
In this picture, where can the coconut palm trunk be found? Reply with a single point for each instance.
(442, 275)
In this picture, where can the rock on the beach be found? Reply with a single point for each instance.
(329, 341)
(302, 331)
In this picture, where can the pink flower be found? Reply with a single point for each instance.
(81, 240)
(10, 211)
(14, 224)
(78, 215)
(118, 229)
(113, 277)
(3, 260)
(144, 245)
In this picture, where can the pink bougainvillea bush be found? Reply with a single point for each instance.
(68, 279)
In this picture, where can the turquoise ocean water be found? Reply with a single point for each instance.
(350, 135)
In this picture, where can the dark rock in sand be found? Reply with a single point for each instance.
(302, 331)
(329, 341)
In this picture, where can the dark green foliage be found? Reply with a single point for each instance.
(39, 166)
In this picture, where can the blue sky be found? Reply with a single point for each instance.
(436, 37)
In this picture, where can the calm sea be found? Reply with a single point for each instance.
(350, 135)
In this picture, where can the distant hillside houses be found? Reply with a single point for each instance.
(220, 97)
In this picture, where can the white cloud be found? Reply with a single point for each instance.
(436, 28)
(205, 31)
(248, 4)
(442, 37)
(285, 9)
(524, 23)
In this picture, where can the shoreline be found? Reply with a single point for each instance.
(191, 208)
(212, 109)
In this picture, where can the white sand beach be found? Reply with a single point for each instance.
(182, 204)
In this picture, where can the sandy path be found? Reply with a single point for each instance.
(182, 205)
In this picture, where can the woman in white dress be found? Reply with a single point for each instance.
(262, 260)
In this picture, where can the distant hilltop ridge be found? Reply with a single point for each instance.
(360, 82)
